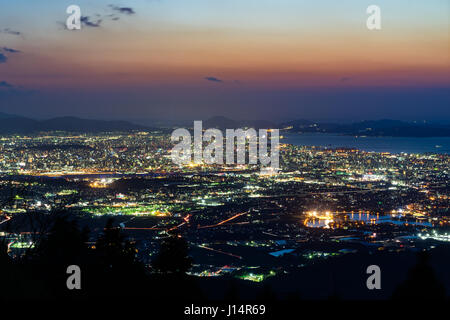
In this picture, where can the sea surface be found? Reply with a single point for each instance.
(377, 144)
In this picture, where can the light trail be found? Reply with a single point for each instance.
(275, 235)
(7, 218)
(223, 222)
(152, 228)
(176, 227)
(186, 220)
(219, 251)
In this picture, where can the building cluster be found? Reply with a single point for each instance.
(323, 203)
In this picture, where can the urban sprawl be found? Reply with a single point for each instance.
(238, 220)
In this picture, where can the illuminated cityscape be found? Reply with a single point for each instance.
(236, 159)
(237, 220)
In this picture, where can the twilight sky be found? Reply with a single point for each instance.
(246, 59)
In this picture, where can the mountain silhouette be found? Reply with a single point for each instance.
(384, 127)
(10, 124)
(226, 123)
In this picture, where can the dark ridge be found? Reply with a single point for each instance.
(385, 127)
(10, 124)
(226, 123)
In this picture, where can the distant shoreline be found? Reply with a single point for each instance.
(395, 145)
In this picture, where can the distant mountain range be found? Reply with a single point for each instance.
(385, 127)
(12, 124)
(226, 123)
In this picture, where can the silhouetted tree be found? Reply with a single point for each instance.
(421, 282)
(173, 256)
(232, 292)
(118, 269)
(114, 250)
(65, 244)
(5, 263)
(267, 294)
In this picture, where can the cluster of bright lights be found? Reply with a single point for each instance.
(257, 277)
(327, 216)
(101, 183)
(435, 236)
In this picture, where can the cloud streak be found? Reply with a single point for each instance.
(213, 79)
(89, 21)
(11, 32)
(10, 50)
(86, 21)
(123, 10)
